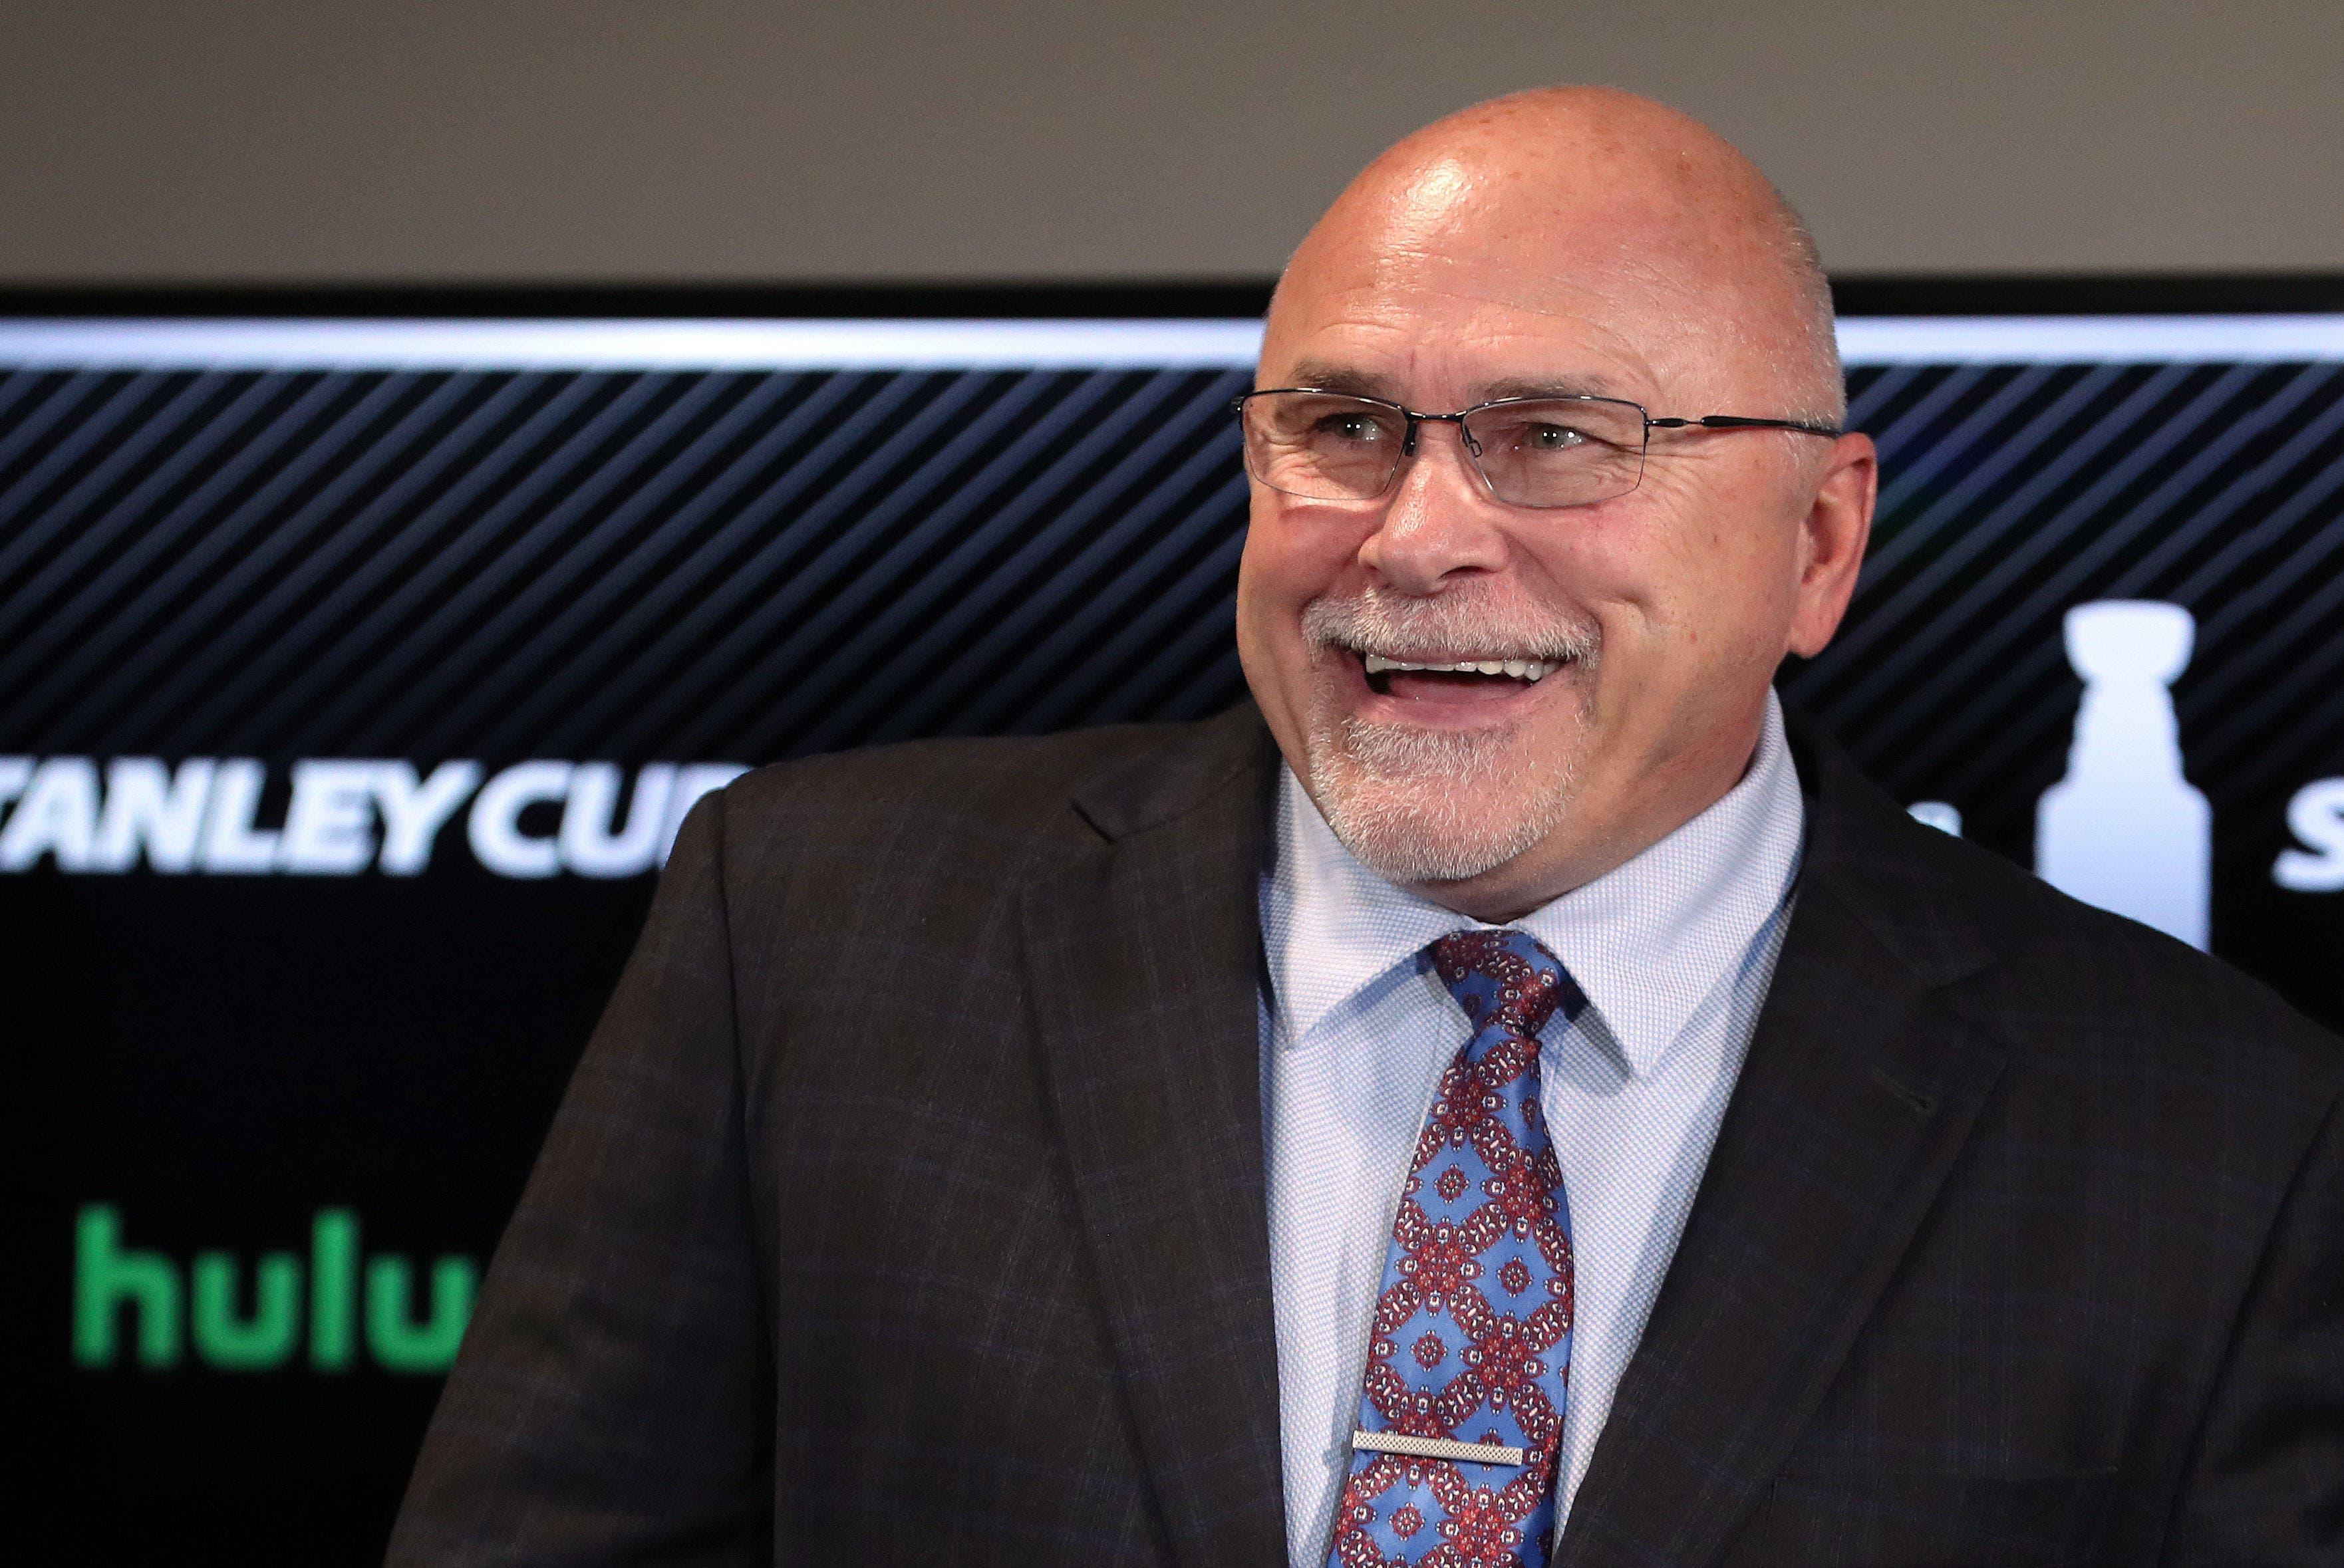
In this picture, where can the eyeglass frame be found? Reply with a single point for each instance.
(1414, 420)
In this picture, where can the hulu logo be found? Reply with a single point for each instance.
(236, 1330)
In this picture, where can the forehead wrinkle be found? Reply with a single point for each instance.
(1395, 345)
(1630, 317)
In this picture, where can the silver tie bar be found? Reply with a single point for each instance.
(1436, 1448)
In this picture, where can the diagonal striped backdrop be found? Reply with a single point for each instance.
(757, 564)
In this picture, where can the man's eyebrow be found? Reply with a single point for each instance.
(1549, 386)
(1326, 377)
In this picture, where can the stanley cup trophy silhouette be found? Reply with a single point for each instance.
(2124, 829)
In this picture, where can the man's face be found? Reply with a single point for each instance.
(1651, 623)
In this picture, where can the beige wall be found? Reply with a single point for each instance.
(283, 142)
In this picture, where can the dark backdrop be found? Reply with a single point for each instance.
(683, 568)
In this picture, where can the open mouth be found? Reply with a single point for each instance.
(1454, 680)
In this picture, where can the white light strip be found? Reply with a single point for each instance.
(2088, 339)
(129, 343)
(644, 344)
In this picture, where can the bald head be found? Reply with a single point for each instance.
(1608, 209)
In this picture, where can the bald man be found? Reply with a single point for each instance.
(1508, 1095)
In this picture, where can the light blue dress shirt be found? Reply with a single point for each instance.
(1674, 949)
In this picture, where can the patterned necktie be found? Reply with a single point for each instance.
(1469, 1360)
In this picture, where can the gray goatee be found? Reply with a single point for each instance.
(1417, 804)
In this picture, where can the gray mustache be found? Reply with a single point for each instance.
(1445, 626)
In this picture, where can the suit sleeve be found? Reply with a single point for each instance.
(2267, 1483)
(612, 1399)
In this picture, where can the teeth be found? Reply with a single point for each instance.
(1520, 668)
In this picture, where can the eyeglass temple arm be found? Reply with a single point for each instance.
(1736, 422)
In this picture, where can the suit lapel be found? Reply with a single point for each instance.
(1860, 1087)
(1144, 962)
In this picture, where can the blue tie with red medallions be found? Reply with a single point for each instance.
(1468, 1358)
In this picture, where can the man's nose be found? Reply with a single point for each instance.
(1439, 519)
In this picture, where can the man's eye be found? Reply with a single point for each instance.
(1552, 437)
(1350, 428)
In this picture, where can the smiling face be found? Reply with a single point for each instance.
(1496, 703)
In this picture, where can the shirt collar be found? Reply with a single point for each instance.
(1647, 941)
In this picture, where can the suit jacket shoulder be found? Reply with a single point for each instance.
(991, 805)
(2011, 1248)
(2066, 977)
(915, 854)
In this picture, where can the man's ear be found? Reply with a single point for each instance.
(1831, 537)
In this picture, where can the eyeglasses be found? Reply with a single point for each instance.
(1529, 451)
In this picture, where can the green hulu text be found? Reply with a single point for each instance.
(251, 1319)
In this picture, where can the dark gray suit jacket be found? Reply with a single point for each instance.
(907, 1207)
